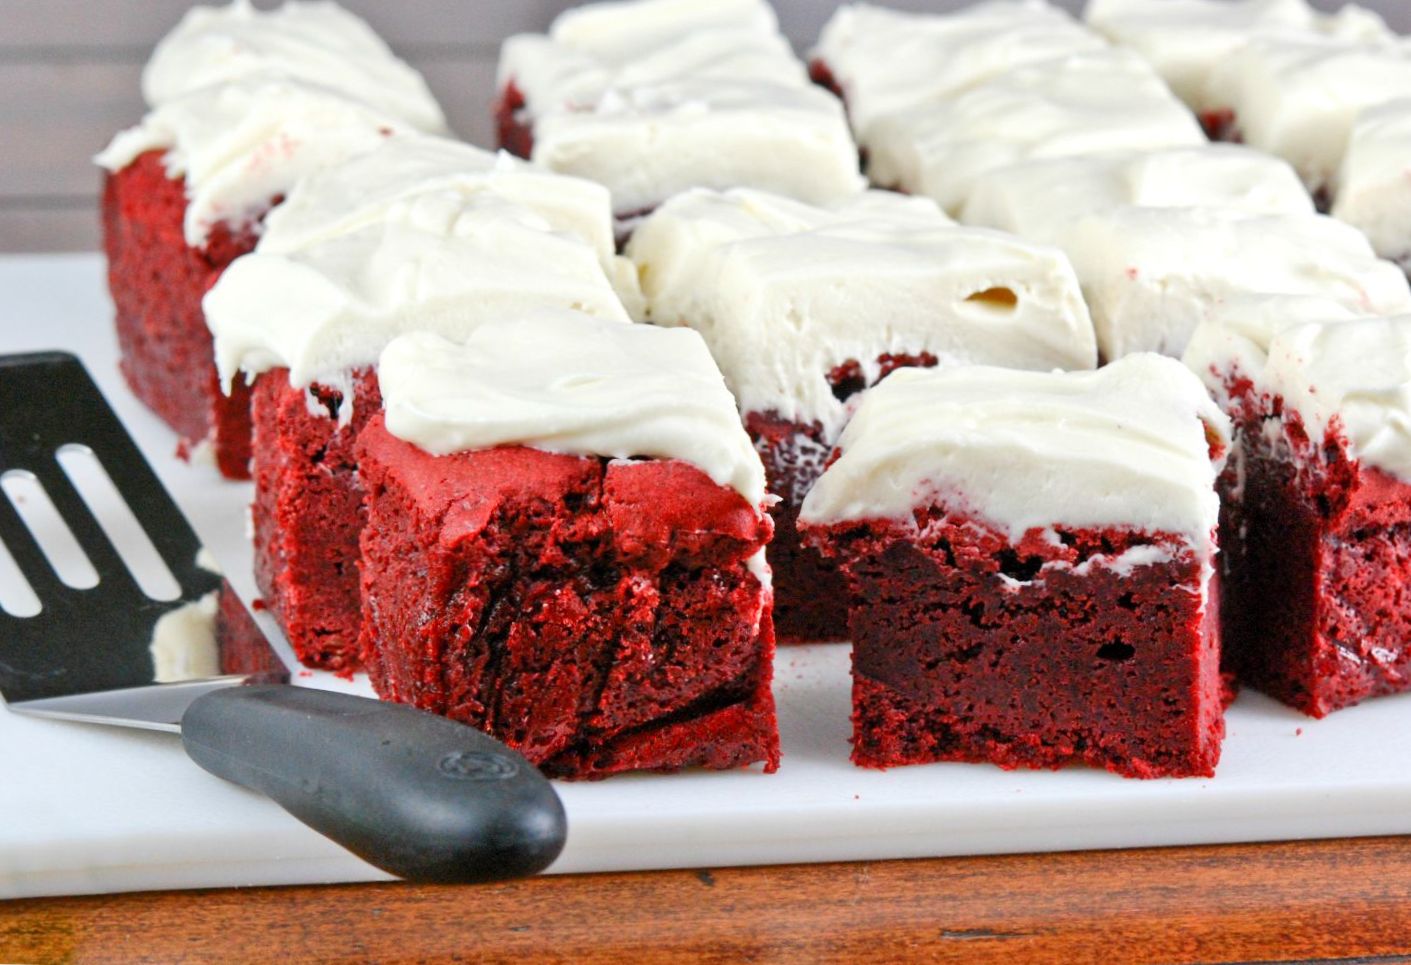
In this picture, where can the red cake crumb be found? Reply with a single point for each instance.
(810, 596)
(967, 647)
(308, 512)
(1317, 553)
(157, 282)
(513, 130)
(1219, 125)
(243, 648)
(599, 616)
(822, 75)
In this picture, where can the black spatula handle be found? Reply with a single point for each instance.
(419, 796)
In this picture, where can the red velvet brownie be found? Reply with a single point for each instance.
(1316, 503)
(156, 282)
(564, 546)
(805, 307)
(1030, 561)
(652, 97)
(308, 512)
(419, 233)
(186, 192)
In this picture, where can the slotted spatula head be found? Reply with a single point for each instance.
(113, 651)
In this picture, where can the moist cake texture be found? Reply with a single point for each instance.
(1030, 560)
(520, 573)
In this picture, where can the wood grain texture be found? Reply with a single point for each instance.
(1322, 901)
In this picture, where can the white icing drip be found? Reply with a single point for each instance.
(566, 382)
(241, 145)
(786, 292)
(313, 42)
(1123, 446)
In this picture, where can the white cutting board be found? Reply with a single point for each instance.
(88, 809)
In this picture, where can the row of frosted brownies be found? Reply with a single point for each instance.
(553, 445)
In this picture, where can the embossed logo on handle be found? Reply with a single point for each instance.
(477, 766)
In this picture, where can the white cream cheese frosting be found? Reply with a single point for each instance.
(1373, 189)
(1356, 374)
(358, 192)
(1299, 96)
(1185, 39)
(1125, 446)
(1039, 200)
(566, 382)
(444, 259)
(1232, 340)
(241, 145)
(888, 61)
(313, 41)
(1151, 274)
(1082, 104)
(652, 97)
(785, 292)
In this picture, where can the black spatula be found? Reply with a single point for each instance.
(417, 795)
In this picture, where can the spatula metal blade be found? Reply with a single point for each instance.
(109, 652)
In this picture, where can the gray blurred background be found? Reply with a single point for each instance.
(69, 75)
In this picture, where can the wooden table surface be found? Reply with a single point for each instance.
(1320, 901)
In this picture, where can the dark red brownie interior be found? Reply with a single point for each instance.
(810, 596)
(308, 512)
(599, 616)
(1317, 549)
(157, 282)
(967, 647)
(513, 130)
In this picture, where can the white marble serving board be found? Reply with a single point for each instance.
(87, 809)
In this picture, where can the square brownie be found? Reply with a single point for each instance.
(1030, 564)
(804, 307)
(564, 546)
(652, 97)
(420, 232)
(1316, 504)
(185, 194)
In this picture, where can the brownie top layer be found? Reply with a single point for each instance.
(420, 236)
(1134, 445)
(1299, 96)
(315, 42)
(1373, 191)
(651, 97)
(889, 61)
(1185, 39)
(242, 145)
(785, 292)
(1152, 274)
(1099, 100)
(1352, 378)
(1041, 199)
(570, 383)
